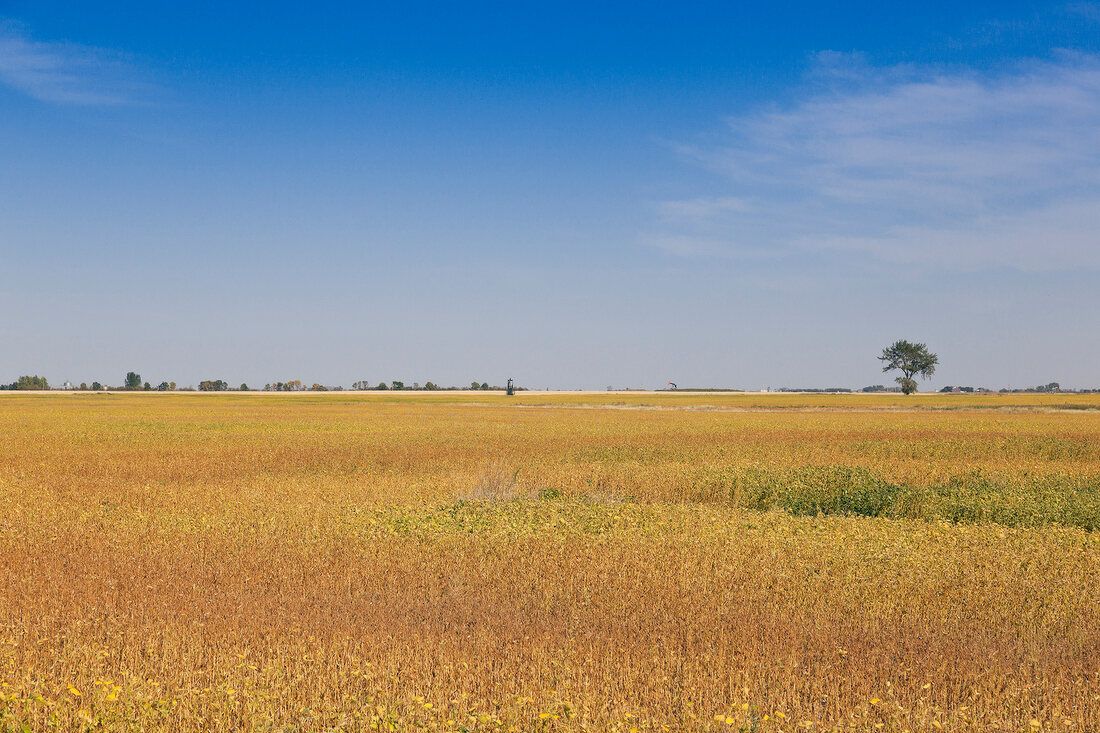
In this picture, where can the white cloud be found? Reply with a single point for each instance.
(929, 166)
(62, 73)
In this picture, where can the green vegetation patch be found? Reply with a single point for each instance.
(973, 498)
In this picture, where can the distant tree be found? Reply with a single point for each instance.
(484, 385)
(243, 387)
(97, 386)
(475, 385)
(430, 385)
(398, 385)
(172, 386)
(213, 385)
(30, 382)
(162, 387)
(133, 380)
(146, 387)
(361, 384)
(319, 387)
(416, 385)
(84, 386)
(911, 360)
(381, 385)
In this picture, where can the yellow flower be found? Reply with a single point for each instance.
(74, 690)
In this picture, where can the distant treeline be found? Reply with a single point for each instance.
(35, 382)
(134, 383)
(814, 389)
(393, 385)
(692, 389)
(1049, 388)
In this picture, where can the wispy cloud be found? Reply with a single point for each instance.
(904, 164)
(63, 73)
(1090, 10)
(703, 208)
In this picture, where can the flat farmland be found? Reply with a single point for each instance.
(576, 561)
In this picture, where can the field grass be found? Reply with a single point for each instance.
(551, 562)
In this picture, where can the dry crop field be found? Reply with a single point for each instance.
(566, 562)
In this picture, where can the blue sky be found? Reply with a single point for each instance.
(725, 194)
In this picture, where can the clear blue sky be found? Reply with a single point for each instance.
(725, 194)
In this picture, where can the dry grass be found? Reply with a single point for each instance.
(266, 563)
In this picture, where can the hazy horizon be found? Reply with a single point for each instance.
(575, 197)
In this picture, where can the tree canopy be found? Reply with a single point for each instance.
(911, 360)
(28, 382)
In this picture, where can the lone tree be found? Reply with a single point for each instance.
(133, 380)
(911, 360)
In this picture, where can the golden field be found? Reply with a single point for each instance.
(452, 561)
